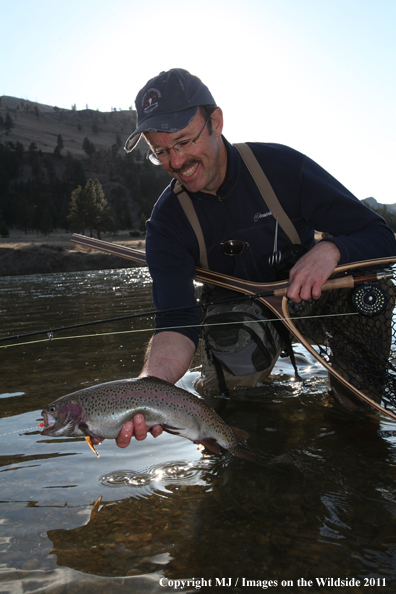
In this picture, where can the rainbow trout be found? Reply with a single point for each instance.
(100, 411)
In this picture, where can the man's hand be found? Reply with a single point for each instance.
(136, 428)
(312, 270)
(168, 357)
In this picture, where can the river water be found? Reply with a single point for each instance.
(321, 507)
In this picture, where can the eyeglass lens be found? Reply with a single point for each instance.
(181, 148)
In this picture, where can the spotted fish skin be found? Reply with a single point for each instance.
(100, 411)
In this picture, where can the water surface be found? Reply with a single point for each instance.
(322, 504)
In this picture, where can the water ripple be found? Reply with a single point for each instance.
(159, 475)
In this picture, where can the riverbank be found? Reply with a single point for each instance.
(31, 253)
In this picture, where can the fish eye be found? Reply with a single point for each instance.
(52, 409)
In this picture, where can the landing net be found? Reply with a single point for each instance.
(360, 347)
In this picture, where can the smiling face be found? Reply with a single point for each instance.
(205, 169)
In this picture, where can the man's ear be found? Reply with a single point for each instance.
(217, 121)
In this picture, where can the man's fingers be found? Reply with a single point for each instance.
(135, 428)
(125, 435)
(139, 427)
(156, 430)
(311, 271)
(305, 292)
(317, 290)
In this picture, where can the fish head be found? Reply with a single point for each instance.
(62, 418)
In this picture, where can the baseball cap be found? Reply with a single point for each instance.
(168, 103)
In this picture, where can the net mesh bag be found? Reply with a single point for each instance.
(354, 331)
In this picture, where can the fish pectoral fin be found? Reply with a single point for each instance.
(170, 429)
(240, 434)
(210, 444)
(86, 430)
(89, 442)
(88, 435)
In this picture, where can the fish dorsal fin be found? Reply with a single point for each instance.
(240, 434)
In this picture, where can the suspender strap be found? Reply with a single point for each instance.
(189, 211)
(267, 192)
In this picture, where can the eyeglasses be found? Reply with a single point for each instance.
(234, 247)
(184, 147)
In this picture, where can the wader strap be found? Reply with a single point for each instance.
(267, 192)
(221, 380)
(189, 211)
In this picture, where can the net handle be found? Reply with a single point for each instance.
(345, 282)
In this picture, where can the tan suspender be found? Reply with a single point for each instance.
(266, 191)
(189, 211)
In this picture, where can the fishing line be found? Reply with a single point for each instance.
(20, 431)
(154, 312)
(137, 330)
(276, 293)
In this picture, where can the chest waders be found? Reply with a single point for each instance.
(277, 211)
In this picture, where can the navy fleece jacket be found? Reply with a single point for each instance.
(311, 197)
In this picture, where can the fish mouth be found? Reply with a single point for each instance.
(49, 423)
(55, 428)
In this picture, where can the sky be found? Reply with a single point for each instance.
(316, 75)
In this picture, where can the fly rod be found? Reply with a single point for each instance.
(276, 289)
(250, 290)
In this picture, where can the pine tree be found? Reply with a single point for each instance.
(8, 123)
(88, 147)
(88, 208)
(95, 205)
(142, 224)
(76, 217)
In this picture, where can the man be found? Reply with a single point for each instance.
(181, 123)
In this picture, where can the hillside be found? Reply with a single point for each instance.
(47, 152)
(375, 205)
(41, 124)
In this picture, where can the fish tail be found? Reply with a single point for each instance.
(241, 435)
(243, 451)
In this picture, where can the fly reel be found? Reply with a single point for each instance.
(369, 300)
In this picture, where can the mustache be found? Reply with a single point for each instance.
(186, 165)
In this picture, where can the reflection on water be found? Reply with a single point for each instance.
(323, 504)
(157, 476)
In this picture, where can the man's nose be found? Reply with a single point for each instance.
(176, 160)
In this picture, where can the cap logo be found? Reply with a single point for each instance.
(150, 100)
